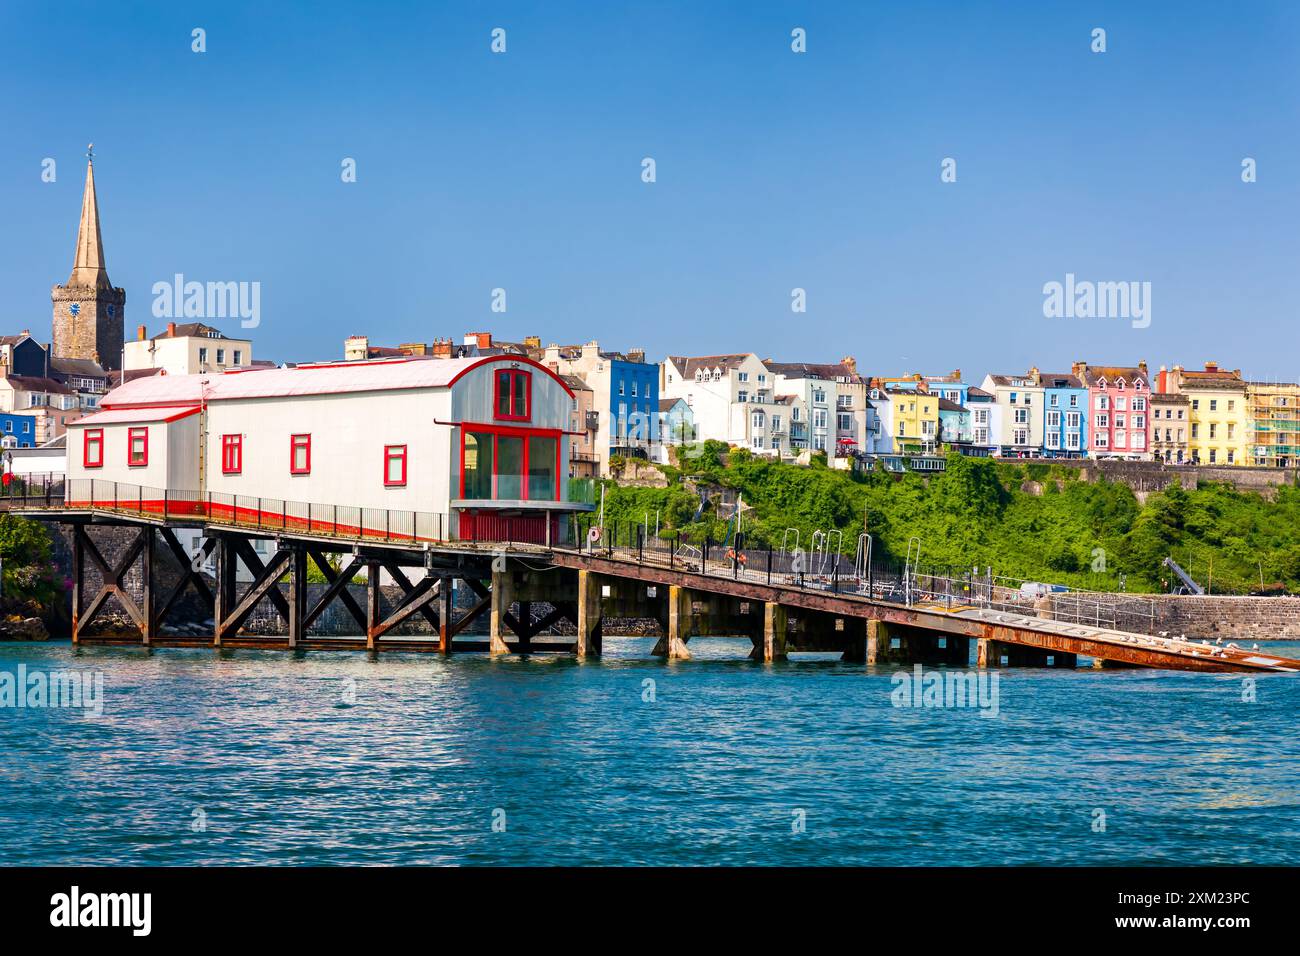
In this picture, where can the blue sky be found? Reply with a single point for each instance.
(775, 170)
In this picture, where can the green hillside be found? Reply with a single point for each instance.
(984, 513)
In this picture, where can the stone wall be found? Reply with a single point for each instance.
(1146, 476)
(1240, 619)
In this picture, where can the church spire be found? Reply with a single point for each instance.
(88, 266)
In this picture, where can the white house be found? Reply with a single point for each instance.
(1020, 409)
(187, 349)
(437, 449)
(731, 397)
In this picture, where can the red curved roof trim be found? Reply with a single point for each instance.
(516, 359)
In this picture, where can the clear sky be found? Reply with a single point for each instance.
(775, 170)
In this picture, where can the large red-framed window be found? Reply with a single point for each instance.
(394, 466)
(92, 448)
(513, 394)
(137, 446)
(232, 454)
(500, 463)
(300, 454)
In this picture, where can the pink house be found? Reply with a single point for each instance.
(1119, 410)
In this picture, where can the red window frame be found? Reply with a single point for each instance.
(510, 413)
(95, 436)
(394, 452)
(131, 435)
(496, 431)
(296, 442)
(232, 454)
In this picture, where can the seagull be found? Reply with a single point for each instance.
(1254, 647)
(1218, 640)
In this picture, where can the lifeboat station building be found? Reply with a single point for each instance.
(469, 449)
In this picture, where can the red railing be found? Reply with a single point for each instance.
(53, 492)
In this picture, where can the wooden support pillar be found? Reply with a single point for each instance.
(501, 601)
(149, 611)
(446, 625)
(223, 598)
(673, 644)
(78, 570)
(297, 596)
(770, 645)
(589, 617)
(373, 613)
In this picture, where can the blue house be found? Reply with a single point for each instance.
(634, 402)
(1065, 415)
(17, 431)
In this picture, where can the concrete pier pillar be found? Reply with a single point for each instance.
(589, 616)
(877, 642)
(770, 644)
(673, 644)
(501, 600)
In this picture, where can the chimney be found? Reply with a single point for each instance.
(141, 333)
(171, 330)
(850, 363)
(1033, 372)
(533, 341)
(483, 339)
(442, 348)
(636, 355)
(1142, 366)
(1211, 366)
(1079, 368)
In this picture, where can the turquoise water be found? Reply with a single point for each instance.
(250, 757)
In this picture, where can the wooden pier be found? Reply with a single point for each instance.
(780, 613)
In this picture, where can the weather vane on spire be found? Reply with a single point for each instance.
(90, 152)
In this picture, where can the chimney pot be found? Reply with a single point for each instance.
(141, 333)
(171, 330)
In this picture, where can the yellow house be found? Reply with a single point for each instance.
(914, 420)
(1220, 429)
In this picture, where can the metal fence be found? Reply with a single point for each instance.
(825, 567)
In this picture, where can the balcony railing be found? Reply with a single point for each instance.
(353, 522)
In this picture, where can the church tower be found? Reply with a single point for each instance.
(88, 320)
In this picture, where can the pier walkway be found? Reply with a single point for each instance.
(783, 599)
